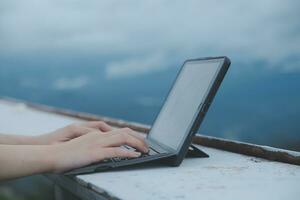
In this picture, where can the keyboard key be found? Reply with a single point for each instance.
(150, 153)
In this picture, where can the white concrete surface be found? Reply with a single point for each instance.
(223, 175)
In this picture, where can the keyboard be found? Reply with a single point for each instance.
(150, 153)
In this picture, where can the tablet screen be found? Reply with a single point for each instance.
(181, 106)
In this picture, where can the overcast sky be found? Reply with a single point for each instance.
(150, 34)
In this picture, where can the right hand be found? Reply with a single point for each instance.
(94, 147)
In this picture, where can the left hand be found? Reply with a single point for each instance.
(72, 131)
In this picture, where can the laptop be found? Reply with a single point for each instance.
(180, 116)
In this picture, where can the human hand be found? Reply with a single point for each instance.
(72, 147)
(72, 131)
(94, 147)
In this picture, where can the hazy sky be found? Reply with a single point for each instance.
(114, 58)
(150, 35)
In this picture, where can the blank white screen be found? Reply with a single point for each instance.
(182, 104)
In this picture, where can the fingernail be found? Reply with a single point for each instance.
(137, 154)
(146, 150)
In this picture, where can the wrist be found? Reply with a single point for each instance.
(52, 157)
(32, 140)
(58, 162)
(26, 140)
(38, 140)
(43, 158)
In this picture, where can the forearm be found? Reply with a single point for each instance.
(24, 160)
(18, 139)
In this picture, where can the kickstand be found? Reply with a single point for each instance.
(195, 152)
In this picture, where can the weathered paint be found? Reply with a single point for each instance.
(224, 175)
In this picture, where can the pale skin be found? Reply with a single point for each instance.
(67, 148)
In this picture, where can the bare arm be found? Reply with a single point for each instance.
(23, 160)
(61, 135)
(17, 139)
(69, 149)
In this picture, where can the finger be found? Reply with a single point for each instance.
(102, 126)
(136, 134)
(84, 130)
(121, 137)
(75, 130)
(120, 152)
(133, 133)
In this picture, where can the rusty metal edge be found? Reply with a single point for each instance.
(269, 153)
(266, 152)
